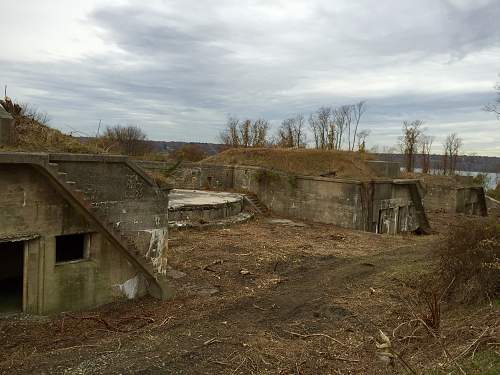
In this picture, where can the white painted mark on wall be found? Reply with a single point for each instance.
(130, 288)
(157, 249)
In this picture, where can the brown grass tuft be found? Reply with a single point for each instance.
(33, 134)
(470, 260)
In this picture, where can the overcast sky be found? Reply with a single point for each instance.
(178, 68)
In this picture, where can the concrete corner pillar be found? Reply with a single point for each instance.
(6, 128)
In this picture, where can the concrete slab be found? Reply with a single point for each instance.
(181, 198)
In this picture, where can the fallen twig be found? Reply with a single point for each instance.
(165, 321)
(472, 345)
(258, 307)
(344, 359)
(73, 347)
(316, 335)
(221, 363)
(401, 325)
(211, 341)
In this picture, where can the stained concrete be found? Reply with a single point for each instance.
(381, 206)
(6, 127)
(180, 198)
(197, 206)
(45, 196)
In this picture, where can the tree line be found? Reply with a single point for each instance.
(332, 128)
(414, 142)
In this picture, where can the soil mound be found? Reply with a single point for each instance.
(342, 164)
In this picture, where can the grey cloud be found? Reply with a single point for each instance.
(179, 71)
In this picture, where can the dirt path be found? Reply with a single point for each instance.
(257, 298)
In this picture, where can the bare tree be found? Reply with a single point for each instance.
(340, 121)
(451, 151)
(332, 126)
(313, 124)
(291, 132)
(358, 110)
(300, 134)
(324, 118)
(409, 142)
(362, 135)
(245, 133)
(285, 134)
(128, 140)
(426, 146)
(323, 128)
(230, 136)
(259, 130)
(495, 107)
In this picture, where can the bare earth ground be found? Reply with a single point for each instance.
(262, 298)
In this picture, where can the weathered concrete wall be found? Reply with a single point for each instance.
(6, 127)
(440, 198)
(31, 208)
(378, 206)
(306, 198)
(493, 206)
(124, 198)
(465, 200)
(471, 201)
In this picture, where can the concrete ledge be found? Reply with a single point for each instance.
(88, 157)
(24, 158)
(102, 158)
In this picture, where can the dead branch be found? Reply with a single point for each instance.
(211, 341)
(316, 335)
(165, 321)
(472, 345)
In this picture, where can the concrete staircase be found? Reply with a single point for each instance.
(256, 205)
(98, 216)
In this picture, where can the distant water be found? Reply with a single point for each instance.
(493, 178)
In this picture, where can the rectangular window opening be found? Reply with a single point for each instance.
(72, 247)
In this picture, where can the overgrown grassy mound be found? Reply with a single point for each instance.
(310, 162)
(33, 134)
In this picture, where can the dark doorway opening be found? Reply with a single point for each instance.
(11, 276)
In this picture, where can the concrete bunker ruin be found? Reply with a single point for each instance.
(455, 195)
(384, 205)
(77, 231)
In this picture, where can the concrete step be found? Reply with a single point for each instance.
(256, 204)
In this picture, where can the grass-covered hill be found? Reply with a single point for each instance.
(311, 162)
(32, 133)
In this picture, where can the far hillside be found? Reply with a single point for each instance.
(344, 164)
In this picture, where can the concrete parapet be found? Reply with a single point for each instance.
(6, 128)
